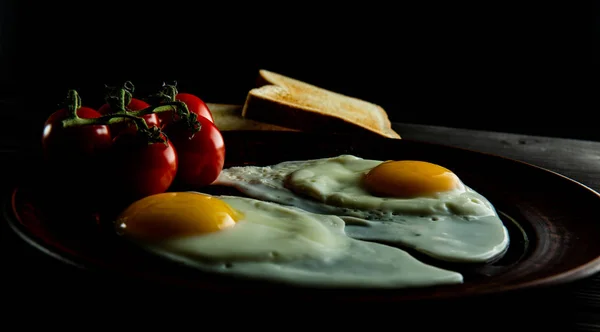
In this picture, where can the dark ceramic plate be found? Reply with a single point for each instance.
(552, 220)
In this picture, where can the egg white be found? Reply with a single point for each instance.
(288, 245)
(458, 226)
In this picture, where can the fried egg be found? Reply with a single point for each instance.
(409, 203)
(262, 240)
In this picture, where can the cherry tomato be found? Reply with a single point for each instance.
(194, 104)
(75, 142)
(141, 169)
(201, 156)
(135, 105)
(75, 159)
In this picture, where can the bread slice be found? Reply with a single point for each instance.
(291, 103)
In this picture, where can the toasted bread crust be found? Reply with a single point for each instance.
(281, 114)
(287, 102)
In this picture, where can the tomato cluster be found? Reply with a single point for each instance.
(129, 148)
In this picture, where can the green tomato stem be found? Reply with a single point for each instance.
(128, 85)
(170, 90)
(118, 102)
(136, 117)
(73, 103)
(118, 99)
(178, 107)
(166, 94)
(106, 120)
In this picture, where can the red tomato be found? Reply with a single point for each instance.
(75, 159)
(141, 169)
(135, 105)
(201, 157)
(74, 142)
(194, 105)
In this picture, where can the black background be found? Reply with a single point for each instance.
(509, 66)
(520, 66)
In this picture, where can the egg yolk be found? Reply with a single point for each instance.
(409, 178)
(175, 214)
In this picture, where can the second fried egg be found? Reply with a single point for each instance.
(411, 203)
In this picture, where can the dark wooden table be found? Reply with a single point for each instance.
(578, 303)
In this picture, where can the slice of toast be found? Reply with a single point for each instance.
(287, 102)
